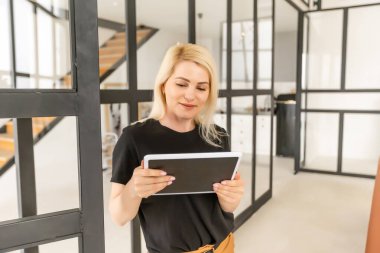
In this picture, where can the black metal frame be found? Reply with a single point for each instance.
(299, 165)
(85, 223)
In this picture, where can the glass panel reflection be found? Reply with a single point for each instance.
(56, 156)
(361, 146)
(112, 46)
(321, 144)
(45, 59)
(210, 16)
(114, 117)
(220, 116)
(159, 15)
(324, 56)
(242, 44)
(241, 141)
(363, 54)
(263, 141)
(5, 46)
(265, 29)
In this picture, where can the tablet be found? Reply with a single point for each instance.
(194, 172)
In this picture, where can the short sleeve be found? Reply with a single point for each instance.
(124, 158)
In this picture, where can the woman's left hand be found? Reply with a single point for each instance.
(229, 193)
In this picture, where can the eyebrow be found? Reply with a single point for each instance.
(187, 80)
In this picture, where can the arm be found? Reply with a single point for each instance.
(125, 200)
(229, 193)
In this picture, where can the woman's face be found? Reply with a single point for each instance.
(186, 91)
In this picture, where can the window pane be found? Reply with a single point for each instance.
(55, 164)
(343, 3)
(321, 145)
(241, 141)
(45, 43)
(361, 145)
(263, 141)
(159, 15)
(324, 56)
(211, 14)
(114, 117)
(5, 47)
(363, 49)
(343, 101)
(242, 44)
(24, 31)
(220, 116)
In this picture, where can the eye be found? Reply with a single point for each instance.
(181, 84)
(201, 89)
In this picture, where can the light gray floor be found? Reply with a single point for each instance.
(308, 212)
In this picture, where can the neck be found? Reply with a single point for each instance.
(180, 125)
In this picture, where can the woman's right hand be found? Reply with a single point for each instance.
(146, 182)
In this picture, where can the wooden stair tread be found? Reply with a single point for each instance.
(5, 155)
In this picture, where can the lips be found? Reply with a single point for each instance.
(188, 105)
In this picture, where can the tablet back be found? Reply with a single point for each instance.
(195, 175)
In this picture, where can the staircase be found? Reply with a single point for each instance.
(111, 55)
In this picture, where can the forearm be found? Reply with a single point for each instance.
(124, 207)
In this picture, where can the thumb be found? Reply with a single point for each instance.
(142, 164)
(237, 176)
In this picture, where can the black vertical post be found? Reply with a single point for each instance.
(191, 22)
(297, 130)
(130, 14)
(13, 44)
(340, 142)
(344, 50)
(26, 179)
(88, 125)
(272, 97)
(229, 66)
(254, 100)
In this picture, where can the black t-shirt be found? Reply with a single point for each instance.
(171, 223)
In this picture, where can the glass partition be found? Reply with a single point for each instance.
(324, 55)
(5, 46)
(363, 52)
(160, 15)
(45, 61)
(361, 146)
(263, 145)
(210, 17)
(241, 141)
(321, 141)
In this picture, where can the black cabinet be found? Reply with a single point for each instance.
(285, 119)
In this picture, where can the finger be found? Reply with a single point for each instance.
(236, 194)
(151, 172)
(142, 164)
(233, 182)
(237, 176)
(233, 189)
(153, 180)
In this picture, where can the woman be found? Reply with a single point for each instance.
(181, 121)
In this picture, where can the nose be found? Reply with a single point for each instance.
(190, 94)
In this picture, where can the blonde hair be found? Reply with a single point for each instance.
(200, 56)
